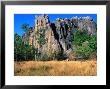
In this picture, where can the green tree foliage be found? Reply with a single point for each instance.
(84, 44)
(41, 37)
(18, 47)
(25, 27)
(22, 51)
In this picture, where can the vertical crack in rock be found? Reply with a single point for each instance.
(56, 35)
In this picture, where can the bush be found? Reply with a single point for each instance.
(22, 52)
(93, 42)
(80, 37)
(84, 44)
(83, 51)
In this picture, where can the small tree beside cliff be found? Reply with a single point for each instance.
(84, 44)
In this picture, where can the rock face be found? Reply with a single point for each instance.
(58, 35)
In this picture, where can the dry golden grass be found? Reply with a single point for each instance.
(56, 68)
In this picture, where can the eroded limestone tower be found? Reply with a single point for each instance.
(58, 35)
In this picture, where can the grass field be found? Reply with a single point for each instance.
(56, 68)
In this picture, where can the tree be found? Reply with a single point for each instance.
(22, 51)
(84, 44)
(18, 47)
(25, 27)
(41, 39)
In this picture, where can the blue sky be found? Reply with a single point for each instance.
(19, 19)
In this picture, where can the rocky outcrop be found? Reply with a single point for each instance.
(59, 34)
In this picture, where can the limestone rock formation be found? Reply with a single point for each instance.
(58, 35)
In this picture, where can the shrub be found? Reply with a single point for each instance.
(80, 37)
(84, 44)
(83, 51)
